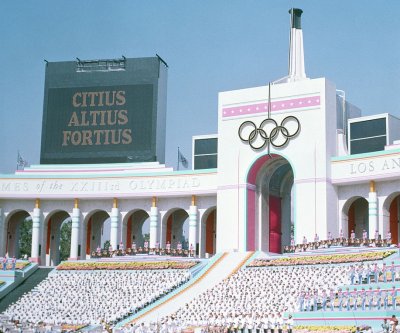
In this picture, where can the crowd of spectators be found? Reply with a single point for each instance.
(258, 297)
(90, 297)
(330, 241)
(133, 250)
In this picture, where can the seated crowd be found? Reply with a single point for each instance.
(377, 241)
(90, 297)
(258, 297)
(179, 251)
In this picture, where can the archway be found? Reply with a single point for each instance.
(391, 210)
(58, 237)
(137, 228)
(208, 231)
(18, 234)
(97, 231)
(177, 228)
(356, 212)
(269, 204)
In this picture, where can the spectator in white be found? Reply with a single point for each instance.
(13, 263)
(290, 324)
(4, 261)
(389, 237)
(365, 235)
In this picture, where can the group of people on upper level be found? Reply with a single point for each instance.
(8, 263)
(350, 300)
(305, 245)
(358, 298)
(179, 251)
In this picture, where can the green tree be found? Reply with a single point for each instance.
(65, 240)
(106, 245)
(25, 238)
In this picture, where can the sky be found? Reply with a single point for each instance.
(210, 46)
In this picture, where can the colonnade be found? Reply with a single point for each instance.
(381, 212)
(82, 233)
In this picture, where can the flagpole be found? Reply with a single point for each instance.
(17, 159)
(178, 160)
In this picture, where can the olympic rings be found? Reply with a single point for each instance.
(269, 135)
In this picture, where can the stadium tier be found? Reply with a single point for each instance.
(231, 291)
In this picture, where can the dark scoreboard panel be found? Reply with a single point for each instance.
(94, 113)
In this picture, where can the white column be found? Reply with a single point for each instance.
(372, 211)
(35, 235)
(76, 219)
(153, 226)
(114, 228)
(192, 226)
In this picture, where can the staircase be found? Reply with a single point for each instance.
(24, 287)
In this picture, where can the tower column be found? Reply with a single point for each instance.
(153, 223)
(76, 214)
(36, 219)
(372, 210)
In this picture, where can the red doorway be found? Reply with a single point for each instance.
(210, 233)
(394, 220)
(275, 224)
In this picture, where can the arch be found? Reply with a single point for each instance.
(18, 233)
(209, 231)
(175, 223)
(136, 224)
(391, 209)
(269, 224)
(355, 217)
(52, 228)
(95, 230)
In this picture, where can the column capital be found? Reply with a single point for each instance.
(372, 186)
(193, 200)
(115, 203)
(154, 202)
(76, 203)
(37, 203)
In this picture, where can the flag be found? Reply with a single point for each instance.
(21, 162)
(182, 159)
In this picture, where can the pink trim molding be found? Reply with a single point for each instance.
(289, 104)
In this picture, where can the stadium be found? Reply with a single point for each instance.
(288, 220)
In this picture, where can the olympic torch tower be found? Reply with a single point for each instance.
(274, 173)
